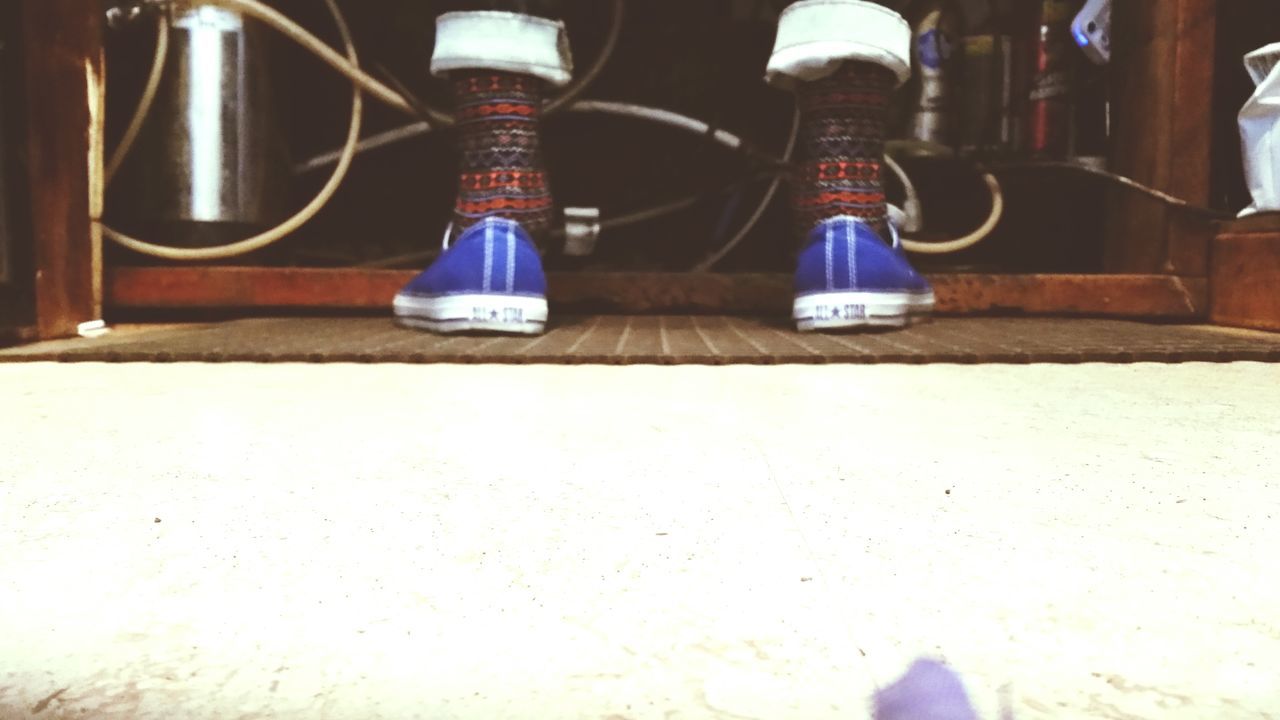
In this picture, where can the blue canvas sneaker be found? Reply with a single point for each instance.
(490, 281)
(848, 278)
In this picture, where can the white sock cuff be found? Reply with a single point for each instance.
(815, 37)
(511, 42)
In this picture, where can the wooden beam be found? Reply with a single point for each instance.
(1268, 222)
(245, 288)
(20, 335)
(1135, 296)
(1162, 134)
(1245, 280)
(64, 77)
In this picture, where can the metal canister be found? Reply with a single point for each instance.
(1048, 109)
(987, 92)
(1091, 116)
(214, 153)
(932, 113)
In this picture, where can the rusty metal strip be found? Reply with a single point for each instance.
(234, 288)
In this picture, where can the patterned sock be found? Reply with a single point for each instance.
(843, 119)
(502, 171)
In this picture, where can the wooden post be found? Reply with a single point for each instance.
(1163, 105)
(1246, 270)
(64, 63)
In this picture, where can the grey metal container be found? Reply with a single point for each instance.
(932, 122)
(214, 165)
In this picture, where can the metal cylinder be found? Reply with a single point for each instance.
(932, 120)
(983, 93)
(215, 156)
(1048, 121)
(1091, 117)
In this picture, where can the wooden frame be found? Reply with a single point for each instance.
(65, 73)
(1246, 274)
(1158, 259)
(250, 289)
(1163, 134)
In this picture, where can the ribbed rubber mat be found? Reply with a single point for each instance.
(618, 340)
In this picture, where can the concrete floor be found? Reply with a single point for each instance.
(187, 541)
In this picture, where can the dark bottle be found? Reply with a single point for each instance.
(987, 110)
(1048, 117)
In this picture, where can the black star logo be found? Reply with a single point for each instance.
(494, 315)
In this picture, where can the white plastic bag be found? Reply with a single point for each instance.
(1260, 130)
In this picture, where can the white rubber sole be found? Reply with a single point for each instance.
(502, 314)
(853, 310)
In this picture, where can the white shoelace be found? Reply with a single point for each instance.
(448, 236)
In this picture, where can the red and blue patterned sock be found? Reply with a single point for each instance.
(843, 124)
(502, 171)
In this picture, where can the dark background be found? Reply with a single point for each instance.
(17, 302)
(705, 59)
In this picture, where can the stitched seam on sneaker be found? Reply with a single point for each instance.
(511, 259)
(853, 263)
(830, 257)
(488, 256)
